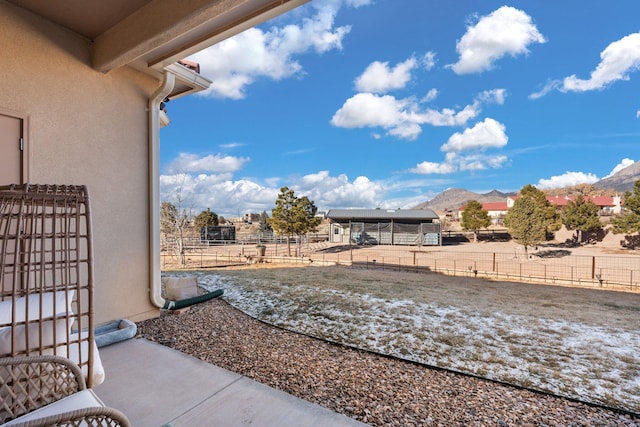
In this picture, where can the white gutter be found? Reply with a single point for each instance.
(155, 286)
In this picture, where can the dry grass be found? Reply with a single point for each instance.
(579, 343)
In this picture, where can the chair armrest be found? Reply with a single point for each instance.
(30, 382)
(94, 416)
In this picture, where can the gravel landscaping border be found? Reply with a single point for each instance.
(374, 389)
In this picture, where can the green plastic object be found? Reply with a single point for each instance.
(175, 305)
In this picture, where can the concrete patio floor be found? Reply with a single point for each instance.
(156, 386)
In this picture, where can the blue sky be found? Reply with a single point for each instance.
(386, 103)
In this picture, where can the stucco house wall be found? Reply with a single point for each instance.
(90, 128)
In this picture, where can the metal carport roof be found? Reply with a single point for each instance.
(382, 214)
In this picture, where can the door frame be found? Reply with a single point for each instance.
(25, 153)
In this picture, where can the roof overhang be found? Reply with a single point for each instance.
(151, 35)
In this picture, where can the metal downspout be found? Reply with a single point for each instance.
(155, 286)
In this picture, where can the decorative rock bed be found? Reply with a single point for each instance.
(377, 390)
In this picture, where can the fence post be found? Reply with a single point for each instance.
(593, 267)
(520, 270)
(494, 262)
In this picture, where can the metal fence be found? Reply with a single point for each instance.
(550, 267)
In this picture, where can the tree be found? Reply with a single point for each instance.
(629, 221)
(293, 216)
(205, 219)
(265, 227)
(553, 221)
(474, 218)
(581, 215)
(531, 217)
(174, 222)
(175, 219)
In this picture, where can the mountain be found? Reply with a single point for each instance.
(623, 180)
(453, 198)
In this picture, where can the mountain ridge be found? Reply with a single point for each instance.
(454, 198)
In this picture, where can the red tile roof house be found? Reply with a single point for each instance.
(609, 205)
(80, 94)
(496, 210)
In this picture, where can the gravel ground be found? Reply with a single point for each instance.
(373, 389)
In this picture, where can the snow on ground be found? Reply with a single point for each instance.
(585, 362)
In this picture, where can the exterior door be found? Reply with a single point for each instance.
(11, 150)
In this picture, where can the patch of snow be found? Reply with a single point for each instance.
(570, 359)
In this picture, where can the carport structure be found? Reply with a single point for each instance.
(385, 227)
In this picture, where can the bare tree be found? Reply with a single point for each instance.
(175, 222)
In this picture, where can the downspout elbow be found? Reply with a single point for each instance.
(155, 285)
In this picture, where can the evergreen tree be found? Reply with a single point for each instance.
(264, 223)
(474, 218)
(581, 215)
(205, 219)
(629, 221)
(530, 217)
(293, 216)
(553, 221)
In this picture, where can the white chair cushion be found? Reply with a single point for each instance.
(82, 399)
(53, 332)
(98, 369)
(50, 303)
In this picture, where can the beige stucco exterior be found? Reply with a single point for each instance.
(86, 80)
(90, 128)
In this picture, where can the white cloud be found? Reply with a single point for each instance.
(401, 117)
(235, 63)
(338, 192)
(506, 31)
(495, 96)
(429, 60)
(430, 96)
(623, 164)
(449, 117)
(228, 196)
(551, 85)
(231, 145)
(486, 134)
(367, 109)
(455, 162)
(566, 180)
(428, 168)
(618, 60)
(465, 151)
(475, 162)
(378, 77)
(192, 163)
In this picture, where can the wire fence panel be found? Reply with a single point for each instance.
(550, 267)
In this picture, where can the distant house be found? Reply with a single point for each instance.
(251, 218)
(385, 226)
(496, 210)
(609, 205)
